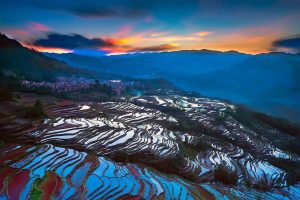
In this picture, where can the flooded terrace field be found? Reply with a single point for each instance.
(150, 147)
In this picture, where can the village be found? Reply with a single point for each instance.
(71, 84)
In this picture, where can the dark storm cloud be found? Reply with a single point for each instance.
(292, 43)
(135, 8)
(94, 9)
(118, 8)
(99, 12)
(73, 41)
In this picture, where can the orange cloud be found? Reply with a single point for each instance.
(115, 49)
(126, 49)
(163, 47)
(124, 37)
(125, 41)
(202, 34)
(173, 38)
(250, 40)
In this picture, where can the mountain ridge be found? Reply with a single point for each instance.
(240, 78)
(31, 64)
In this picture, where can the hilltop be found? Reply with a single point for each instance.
(25, 63)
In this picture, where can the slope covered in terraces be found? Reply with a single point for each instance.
(163, 147)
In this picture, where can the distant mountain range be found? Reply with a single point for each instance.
(265, 82)
(164, 64)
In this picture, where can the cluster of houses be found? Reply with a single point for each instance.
(65, 84)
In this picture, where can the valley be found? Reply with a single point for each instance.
(240, 78)
(126, 132)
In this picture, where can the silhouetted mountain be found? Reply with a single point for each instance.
(6, 42)
(29, 64)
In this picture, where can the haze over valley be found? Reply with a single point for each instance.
(237, 77)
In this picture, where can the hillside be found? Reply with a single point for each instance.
(29, 64)
(157, 147)
(266, 82)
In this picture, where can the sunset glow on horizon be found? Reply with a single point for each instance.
(47, 49)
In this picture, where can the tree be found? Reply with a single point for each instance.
(37, 111)
(224, 174)
(97, 82)
(6, 94)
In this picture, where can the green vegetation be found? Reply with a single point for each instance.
(223, 174)
(36, 193)
(102, 88)
(262, 184)
(157, 84)
(7, 85)
(188, 151)
(37, 111)
(281, 124)
(18, 63)
(5, 94)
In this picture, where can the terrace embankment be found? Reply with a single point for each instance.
(205, 147)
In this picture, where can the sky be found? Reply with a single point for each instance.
(121, 26)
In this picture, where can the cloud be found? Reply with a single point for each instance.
(140, 9)
(125, 49)
(202, 34)
(35, 26)
(124, 30)
(16, 32)
(163, 47)
(291, 44)
(74, 41)
(100, 12)
(158, 34)
(94, 9)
